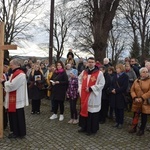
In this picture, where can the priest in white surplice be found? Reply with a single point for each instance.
(16, 98)
(91, 82)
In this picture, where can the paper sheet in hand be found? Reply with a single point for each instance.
(52, 81)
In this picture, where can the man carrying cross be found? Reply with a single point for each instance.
(5, 77)
(16, 98)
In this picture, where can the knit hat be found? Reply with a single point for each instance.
(74, 72)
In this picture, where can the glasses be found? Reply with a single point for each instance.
(144, 72)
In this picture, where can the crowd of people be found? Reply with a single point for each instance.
(103, 90)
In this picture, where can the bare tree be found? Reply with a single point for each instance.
(135, 49)
(17, 16)
(63, 19)
(137, 13)
(97, 16)
(116, 46)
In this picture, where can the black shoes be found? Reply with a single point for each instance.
(118, 126)
(81, 130)
(11, 136)
(32, 112)
(115, 125)
(35, 112)
(140, 133)
(90, 133)
(132, 130)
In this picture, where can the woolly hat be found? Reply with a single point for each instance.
(74, 72)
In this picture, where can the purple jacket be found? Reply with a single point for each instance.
(72, 91)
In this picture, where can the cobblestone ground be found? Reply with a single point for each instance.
(46, 134)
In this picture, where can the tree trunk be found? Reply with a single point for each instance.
(99, 55)
(103, 14)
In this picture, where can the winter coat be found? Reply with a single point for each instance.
(80, 67)
(106, 86)
(120, 84)
(136, 68)
(35, 87)
(59, 90)
(132, 76)
(141, 89)
(72, 91)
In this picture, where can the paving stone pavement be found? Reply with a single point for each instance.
(46, 134)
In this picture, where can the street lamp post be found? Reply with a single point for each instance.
(51, 31)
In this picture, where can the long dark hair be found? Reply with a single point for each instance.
(60, 62)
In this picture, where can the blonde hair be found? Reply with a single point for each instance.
(121, 66)
(147, 64)
(33, 70)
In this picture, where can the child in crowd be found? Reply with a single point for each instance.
(72, 95)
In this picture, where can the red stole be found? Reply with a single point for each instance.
(85, 95)
(12, 95)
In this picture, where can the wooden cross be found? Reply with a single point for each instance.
(2, 48)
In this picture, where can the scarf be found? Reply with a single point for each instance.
(12, 95)
(59, 70)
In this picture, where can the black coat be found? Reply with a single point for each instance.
(35, 87)
(59, 90)
(106, 86)
(80, 67)
(117, 100)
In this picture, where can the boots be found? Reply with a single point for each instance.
(140, 133)
(132, 130)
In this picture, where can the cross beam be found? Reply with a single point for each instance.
(6, 47)
(2, 48)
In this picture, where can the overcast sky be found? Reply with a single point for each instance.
(40, 40)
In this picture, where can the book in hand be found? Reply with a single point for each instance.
(37, 77)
